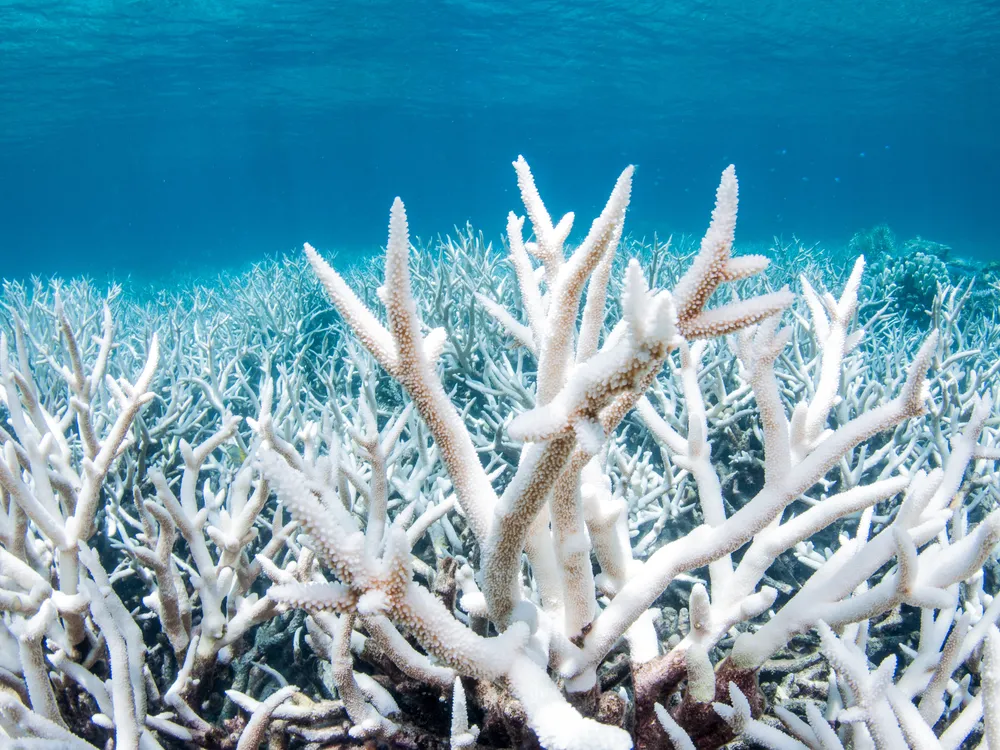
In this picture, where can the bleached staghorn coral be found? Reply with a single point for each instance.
(359, 471)
(201, 598)
(565, 431)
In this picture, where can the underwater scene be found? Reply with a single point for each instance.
(454, 374)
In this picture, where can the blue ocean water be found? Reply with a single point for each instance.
(152, 137)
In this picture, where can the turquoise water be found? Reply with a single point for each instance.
(149, 138)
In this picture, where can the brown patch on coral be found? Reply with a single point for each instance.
(704, 726)
(611, 709)
(654, 682)
(445, 586)
(587, 701)
(503, 723)
(657, 680)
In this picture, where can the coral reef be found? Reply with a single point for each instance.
(489, 502)
(909, 274)
(915, 279)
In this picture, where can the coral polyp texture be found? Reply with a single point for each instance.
(546, 497)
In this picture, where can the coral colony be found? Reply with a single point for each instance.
(534, 498)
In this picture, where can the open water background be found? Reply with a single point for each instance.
(160, 137)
